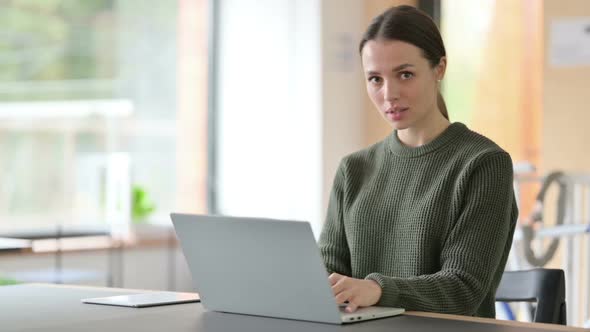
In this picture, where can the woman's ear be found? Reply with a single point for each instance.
(441, 68)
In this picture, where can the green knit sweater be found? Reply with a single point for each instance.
(432, 225)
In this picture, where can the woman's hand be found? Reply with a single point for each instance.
(358, 292)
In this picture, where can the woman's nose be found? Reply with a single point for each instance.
(391, 92)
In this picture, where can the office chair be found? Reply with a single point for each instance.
(546, 287)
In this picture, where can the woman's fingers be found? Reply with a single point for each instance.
(340, 285)
(334, 278)
(342, 297)
(356, 292)
(352, 306)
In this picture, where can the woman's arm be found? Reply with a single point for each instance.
(474, 251)
(332, 243)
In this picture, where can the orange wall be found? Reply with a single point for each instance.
(508, 98)
(566, 119)
(566, 110)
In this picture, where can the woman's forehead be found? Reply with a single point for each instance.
(390, 53)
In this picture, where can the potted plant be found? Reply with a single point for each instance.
(141, 205)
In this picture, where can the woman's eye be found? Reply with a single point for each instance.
(374, 79)
(406, 75)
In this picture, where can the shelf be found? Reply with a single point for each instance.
(66, 109)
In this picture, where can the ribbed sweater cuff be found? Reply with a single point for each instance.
(389, 290)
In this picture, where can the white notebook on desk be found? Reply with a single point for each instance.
(145, 299)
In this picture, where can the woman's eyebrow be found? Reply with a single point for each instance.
(403, 66)
(398, 68)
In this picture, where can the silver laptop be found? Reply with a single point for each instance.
(262, 267)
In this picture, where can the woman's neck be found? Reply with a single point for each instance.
(424, 132)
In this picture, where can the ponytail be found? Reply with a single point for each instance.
(442, 106)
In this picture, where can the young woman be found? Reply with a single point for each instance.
(424, 219)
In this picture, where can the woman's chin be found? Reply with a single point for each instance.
(399, 125)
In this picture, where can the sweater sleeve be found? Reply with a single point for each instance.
(332, 242)
(474, 250)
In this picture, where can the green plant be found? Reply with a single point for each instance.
(6, 281)
(141, 205)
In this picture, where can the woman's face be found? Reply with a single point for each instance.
(401, 83)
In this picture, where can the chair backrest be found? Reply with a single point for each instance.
(546, 287)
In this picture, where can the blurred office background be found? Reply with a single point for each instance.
(114, 113)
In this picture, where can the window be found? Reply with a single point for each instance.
(89, 109)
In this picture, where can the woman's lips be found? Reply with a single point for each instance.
(396, 113)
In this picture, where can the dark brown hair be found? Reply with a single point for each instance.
(413, 26)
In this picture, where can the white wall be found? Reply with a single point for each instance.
(269, 150)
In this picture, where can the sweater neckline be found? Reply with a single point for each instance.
(453, 131)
